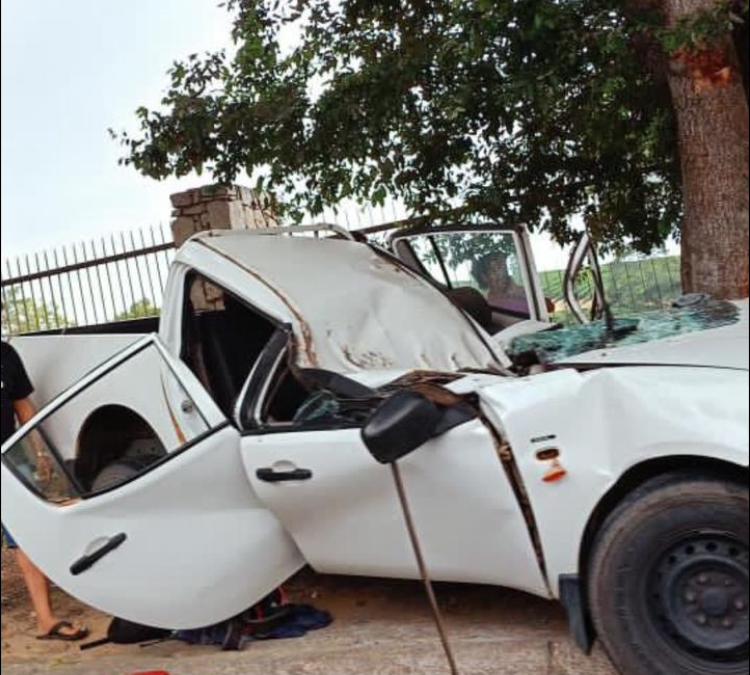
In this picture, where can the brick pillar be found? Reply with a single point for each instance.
(219, 208)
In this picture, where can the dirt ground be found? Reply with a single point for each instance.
(381, 628)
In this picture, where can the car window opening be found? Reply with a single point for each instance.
(114, 434)
(286, 396)
(480, 271)
(316, 398)
(223, 340)
(116, 443)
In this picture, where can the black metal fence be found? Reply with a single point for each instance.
(115, 278)
(632, 286)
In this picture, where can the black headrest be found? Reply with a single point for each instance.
(474, 304)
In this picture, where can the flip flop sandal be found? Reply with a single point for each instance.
(56, 633)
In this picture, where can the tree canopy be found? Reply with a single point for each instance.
(533, 111)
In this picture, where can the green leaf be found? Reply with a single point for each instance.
(531, 111)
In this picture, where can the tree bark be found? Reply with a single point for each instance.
(742, 45)
(714, 135)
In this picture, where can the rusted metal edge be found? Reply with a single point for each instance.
(172, 417)
(508, 460)
(308, 346)
(438, 394)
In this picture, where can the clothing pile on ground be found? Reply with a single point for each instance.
(271, 619)
(289, 622)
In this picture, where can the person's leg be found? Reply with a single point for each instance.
(38, 587)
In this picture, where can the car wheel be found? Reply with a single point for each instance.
(121, 471)
(668, 579)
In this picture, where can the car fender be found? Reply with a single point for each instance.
(574, 435)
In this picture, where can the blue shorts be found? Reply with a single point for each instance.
(9, 541)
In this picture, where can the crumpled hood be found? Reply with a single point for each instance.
(710, 334)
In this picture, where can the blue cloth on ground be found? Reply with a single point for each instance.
(298, 621)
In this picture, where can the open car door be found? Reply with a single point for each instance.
(183, 542)
(488, 270)
(584, 265)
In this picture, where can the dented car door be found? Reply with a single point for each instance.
(315, 474)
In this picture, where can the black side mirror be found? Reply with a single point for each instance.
(400, 425)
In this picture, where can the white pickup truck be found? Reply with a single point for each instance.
(184, 478)
(443, 255)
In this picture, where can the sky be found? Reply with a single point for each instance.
(73, 69)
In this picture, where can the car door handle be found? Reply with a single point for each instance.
(272, 476)
(88, 561)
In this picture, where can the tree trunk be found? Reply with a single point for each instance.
(742, 45)
(714, 133)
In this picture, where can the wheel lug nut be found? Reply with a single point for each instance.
(703, 579)
(740, 605)
(691, 597)
(728, 623)
(701, 620)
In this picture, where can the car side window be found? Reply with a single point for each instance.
(112, 429)
(314, 398)
(38, 465)
(486, 262)
(223, 338)
(286, 396)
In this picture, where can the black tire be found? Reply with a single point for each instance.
(668, 579)
(121, 471)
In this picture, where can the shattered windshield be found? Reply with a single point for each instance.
(557, 344)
